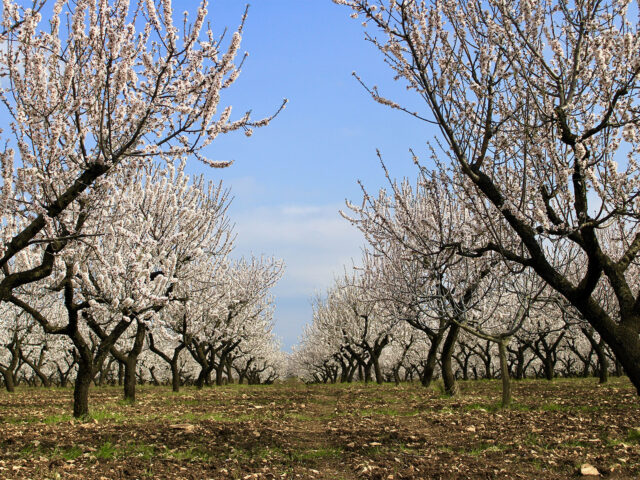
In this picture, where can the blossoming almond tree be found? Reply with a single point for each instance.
(537, 107)
(259, 359)
(224, 308)
(153, 229)
(14, 327)
(98, 86)
(366, 329)
(413, 231)
(168, 221)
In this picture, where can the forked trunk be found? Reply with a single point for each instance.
(367, 372)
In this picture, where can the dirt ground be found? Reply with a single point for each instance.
(325, 432)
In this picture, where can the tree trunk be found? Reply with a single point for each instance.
(603, 364)
(172, 361)
(377, 370)
(548, 368)
(450, 385)
(487, 368)
(204, 376)
(220, 374)
(504, 373)
(520, 364)
(9, 380)
(432, 357)
(352, 372)
(175, 377)
(63, 378)
(227, 364)
(344, 372)
(622, 338)
(367, 372)
(619, 369)
(130, 379)
(465, 367)
(46, 381)
(81, 390)
(586, 366)
(598, 347)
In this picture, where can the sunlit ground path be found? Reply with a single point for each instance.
(352, 431)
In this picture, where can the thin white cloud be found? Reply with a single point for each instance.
(316, 244)
(314, 241)
(245, 188)
(300, 210)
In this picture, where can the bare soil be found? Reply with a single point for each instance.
(325, 432)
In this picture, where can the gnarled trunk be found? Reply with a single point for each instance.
(448, 377)
(9, 379)
(81, 390)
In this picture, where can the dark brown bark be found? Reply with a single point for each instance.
(432, 357)
(46, 381)
(598, 347)
(377, 371)
(130, 361)
(9, 372)
(9, 380)
(172, 361)
(81, 390)
(450, 385)
(22, 239)
(504, 373)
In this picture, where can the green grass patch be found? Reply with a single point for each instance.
(554, 407)
(535, 440)
(478, 406)
(372, 412)
(71, 453)
(53, 419)
(327, 452)
(574, 444)
(28, 451)
(107, 451)
(189, 454)
(302, 417)
(633, 435)
(487, 447)
(103, 414)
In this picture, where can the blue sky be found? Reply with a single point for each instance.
(290, 179)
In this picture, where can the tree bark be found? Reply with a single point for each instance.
(81, 390)
(9, 380)
(175, 377)
(603, 363)
(130, 380)
(450, 385)
(378, 371)
(504, 372)
(120, 374)
(432, 358)
(367, 372)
